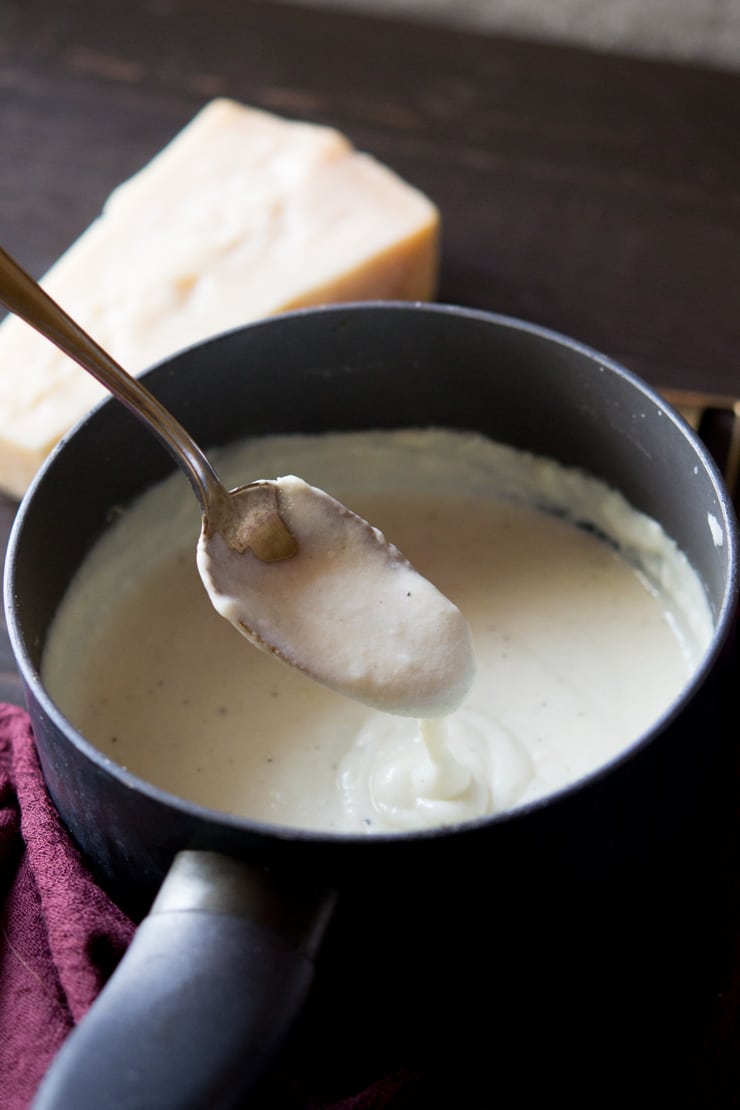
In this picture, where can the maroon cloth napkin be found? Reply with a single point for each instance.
(61, 937)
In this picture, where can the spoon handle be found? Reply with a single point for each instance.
(25, 297)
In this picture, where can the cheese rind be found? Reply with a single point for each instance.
(241, 216)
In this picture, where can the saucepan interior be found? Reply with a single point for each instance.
(364, 367)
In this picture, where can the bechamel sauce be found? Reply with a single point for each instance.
(579, 647)
(347, 608)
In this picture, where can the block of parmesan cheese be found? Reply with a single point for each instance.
(242, 215)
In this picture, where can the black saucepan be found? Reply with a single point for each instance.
(222, 964)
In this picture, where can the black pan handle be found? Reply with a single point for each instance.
(202, 1001)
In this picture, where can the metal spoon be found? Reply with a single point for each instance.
(247, 515)
(389, 626)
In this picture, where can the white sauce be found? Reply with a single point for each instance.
(579, 647)
(347, 608)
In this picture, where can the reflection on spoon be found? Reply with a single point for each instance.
(299, 574)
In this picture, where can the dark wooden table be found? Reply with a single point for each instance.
(596, 195)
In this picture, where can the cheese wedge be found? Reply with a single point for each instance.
(242, 215)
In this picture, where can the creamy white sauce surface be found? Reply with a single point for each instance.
(347, 608)
(580, 644)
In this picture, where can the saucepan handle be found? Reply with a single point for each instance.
(203, 999)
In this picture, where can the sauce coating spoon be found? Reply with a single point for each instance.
(299, 574)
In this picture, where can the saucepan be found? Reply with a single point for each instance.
(234, 911)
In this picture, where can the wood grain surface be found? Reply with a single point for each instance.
(596, 195)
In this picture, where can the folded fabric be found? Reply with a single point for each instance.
(61, 937)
